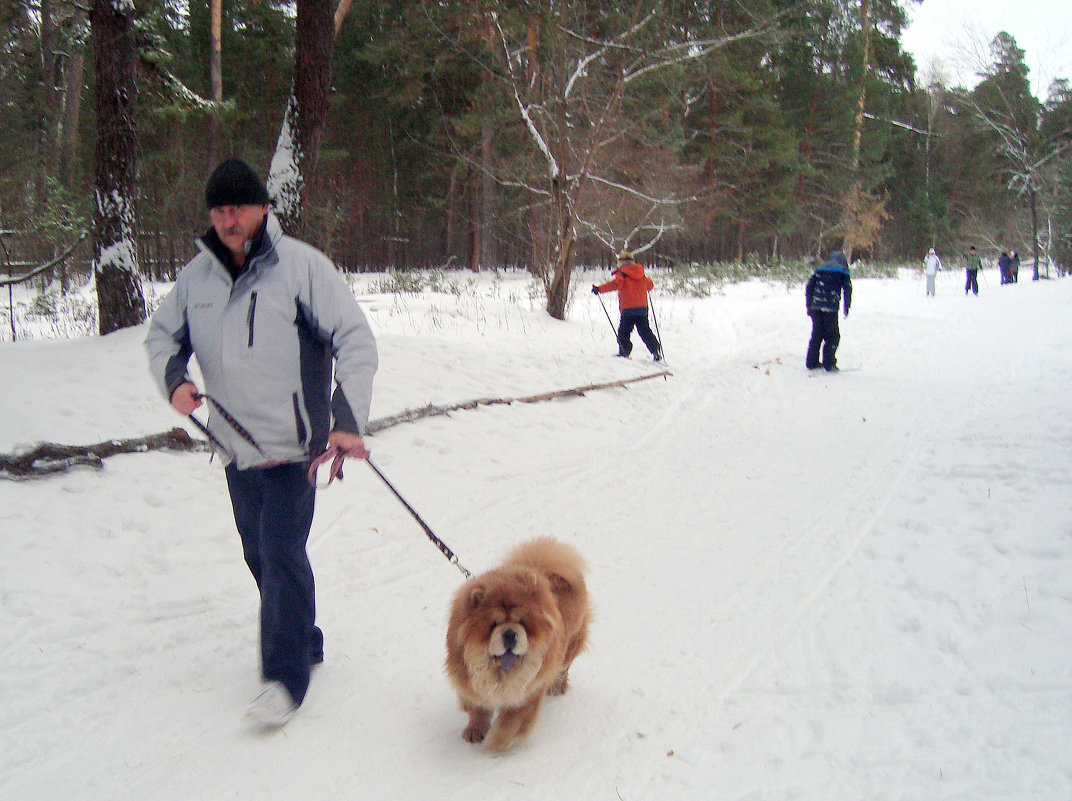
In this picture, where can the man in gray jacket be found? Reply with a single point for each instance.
(267, 316)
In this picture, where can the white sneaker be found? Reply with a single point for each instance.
(273, 707)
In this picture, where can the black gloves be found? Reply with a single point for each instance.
(595, 289)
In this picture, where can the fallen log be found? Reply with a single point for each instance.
(431, 410)
(47, 458)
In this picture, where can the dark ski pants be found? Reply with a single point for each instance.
(636, 318)
(825, 334)
(971, 284)
(273, 509)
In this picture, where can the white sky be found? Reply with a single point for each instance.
(956, 34)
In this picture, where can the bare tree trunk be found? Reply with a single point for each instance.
(307, 112)
(1034, 231)
(215, 71)
(119, 295)
(562, 235)
(855, 197)
(488, 256)
(476, 231)
(67, 132)
(46, 143)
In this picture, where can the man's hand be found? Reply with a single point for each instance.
(349, 444)
(184, 399)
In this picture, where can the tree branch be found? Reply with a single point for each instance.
(44, 267)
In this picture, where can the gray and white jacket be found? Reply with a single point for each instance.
(265, 343)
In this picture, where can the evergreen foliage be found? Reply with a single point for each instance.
(742, 153)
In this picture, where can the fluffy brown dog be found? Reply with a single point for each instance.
(512, 636)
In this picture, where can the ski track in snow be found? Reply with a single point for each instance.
(806, 587)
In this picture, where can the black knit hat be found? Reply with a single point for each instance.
(233, 183)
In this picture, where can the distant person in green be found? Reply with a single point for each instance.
(972, 265)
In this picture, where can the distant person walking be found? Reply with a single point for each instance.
(822, 296)
(1014, 268)
(972, 265)
(932, 264)
(1004, 267)
(632, 286)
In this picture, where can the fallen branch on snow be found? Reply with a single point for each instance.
(431, 410)
(48, 458)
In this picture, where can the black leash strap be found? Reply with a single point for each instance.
(336, 472)
(211, 437)
(231, 420)
(447, 552)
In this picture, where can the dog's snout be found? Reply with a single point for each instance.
(509, 638)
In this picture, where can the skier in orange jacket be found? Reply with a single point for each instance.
(632, 286)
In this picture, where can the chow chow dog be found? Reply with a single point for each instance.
(512, 636)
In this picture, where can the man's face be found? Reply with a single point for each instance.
(236, 225)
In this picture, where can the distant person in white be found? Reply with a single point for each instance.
(932, 264)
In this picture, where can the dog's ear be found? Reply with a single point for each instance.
(559, 585)
(476, 596)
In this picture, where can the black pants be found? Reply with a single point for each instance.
(825, 334)
(273, 509)
(637, 318)
(972, 283)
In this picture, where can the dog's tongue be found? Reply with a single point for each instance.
(508, 660)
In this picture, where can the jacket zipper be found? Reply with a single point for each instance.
(252, 315)
(299, 420)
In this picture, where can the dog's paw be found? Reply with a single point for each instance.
(475, 733)
(559, 685)
(500, 740)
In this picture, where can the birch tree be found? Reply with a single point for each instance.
(585, 83)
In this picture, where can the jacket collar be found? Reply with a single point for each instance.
(262, 248)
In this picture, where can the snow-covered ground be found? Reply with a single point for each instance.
(807, 586)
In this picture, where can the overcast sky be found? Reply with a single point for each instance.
(956, 34)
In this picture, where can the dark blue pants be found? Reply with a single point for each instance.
(637, 318)
(971, 282)
(273, 509)
(825, 334)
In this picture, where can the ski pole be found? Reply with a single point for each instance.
(658, 333)
(604, 305)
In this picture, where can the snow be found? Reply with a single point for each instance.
(807, 586)
(284, 176)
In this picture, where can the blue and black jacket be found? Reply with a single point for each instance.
(828, 284)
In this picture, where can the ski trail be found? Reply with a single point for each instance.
(792, 616)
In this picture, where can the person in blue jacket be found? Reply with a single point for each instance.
(271, 323)
(827, 286)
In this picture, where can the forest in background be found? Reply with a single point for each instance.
(526, 134)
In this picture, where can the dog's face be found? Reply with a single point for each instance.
(508, 624)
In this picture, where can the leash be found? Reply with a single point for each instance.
(336, 457)
(446, 551)
(226, 415)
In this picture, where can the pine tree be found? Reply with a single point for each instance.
(119, 296)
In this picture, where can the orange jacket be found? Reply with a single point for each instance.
(631, 285)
